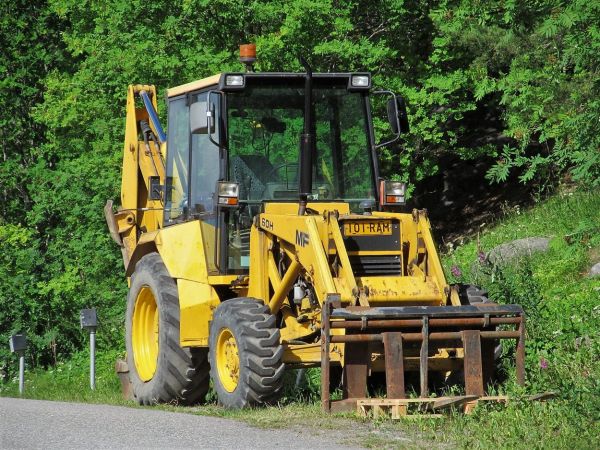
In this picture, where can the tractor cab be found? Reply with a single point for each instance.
(235, 144)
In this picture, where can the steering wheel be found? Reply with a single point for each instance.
(277, 168)
(324, 190)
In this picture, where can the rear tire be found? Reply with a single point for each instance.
(160, 370)
(470, 294)
(245, 354)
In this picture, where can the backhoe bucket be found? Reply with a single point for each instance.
(408, 337)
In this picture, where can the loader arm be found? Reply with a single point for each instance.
(301, 238)
(290, 251)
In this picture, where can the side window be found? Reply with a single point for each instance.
(178, 143)
(205, 168)
(204, 176)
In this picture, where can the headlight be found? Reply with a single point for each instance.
(227, 193)
(392, 192)
(234, 80)
(359, 82)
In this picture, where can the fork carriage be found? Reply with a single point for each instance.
(409, 338)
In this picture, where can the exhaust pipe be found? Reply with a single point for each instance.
(307, 142)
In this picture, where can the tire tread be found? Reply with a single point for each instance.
(260, 351)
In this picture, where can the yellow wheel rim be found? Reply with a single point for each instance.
(228, 360)
(144, 334)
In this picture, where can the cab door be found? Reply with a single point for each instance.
(194, 162)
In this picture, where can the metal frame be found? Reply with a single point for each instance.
(431, 326)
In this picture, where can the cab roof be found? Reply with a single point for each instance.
(217, 80)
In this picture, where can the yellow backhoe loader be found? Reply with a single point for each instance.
(257, 236)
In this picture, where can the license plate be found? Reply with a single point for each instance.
(368, 228)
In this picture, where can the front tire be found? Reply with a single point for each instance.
(160, 370)
(245, 354)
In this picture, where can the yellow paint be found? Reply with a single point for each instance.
(137, 210)
(258, 286)
(291, 209)
(144, 334)
(293, 329)
(310, 354)
(222, 279)
(454, 296)
(402, 289)
(345, 281)
(181, 248)
(197, 301)
(209, 243)
(283, 286)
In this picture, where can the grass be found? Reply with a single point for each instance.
(563, 330)
(69, 381)
(563, 350)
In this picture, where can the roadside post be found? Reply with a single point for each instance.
(18, 345)
(89, 321)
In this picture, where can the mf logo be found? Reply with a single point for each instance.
(301, 238)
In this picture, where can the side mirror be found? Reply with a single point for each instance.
(397, 115)
(199, 118)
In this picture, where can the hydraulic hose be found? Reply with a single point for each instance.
(162, 137)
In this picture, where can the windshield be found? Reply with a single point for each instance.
(264, 127)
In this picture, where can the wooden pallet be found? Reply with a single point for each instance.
(399, 408)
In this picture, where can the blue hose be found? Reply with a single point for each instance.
(162, 137)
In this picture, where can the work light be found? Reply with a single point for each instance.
(359, 82)
(227, 193)
(392, 192)
(232, 82)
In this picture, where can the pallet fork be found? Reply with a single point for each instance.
(471, 327)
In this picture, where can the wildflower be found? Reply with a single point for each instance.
(543, 363)
(456, 271)
(481, 257)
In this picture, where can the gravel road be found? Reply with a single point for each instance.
(43, 424)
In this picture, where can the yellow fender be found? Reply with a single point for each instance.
(182, 250)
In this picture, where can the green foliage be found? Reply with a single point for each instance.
(513, 81)
(534, 66)
(563, 318)
(31, 46)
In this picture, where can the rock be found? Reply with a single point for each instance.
(518, 248)
(595, 270)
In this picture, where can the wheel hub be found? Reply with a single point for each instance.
(228, 360)
(145, 334)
